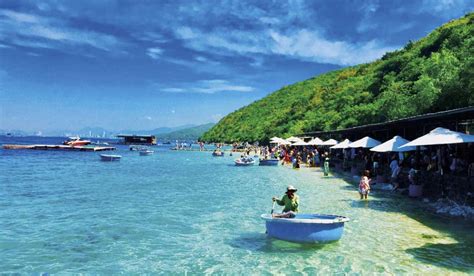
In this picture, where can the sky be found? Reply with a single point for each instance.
(147, 64)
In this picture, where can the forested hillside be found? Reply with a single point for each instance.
(433, 74)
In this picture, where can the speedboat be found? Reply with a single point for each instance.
(76, 141)
(110, 157)
(268, 162)
(218, 153)
(146, 152)
(305, 228)
(244, 162)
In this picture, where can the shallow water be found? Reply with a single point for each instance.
(177, 212)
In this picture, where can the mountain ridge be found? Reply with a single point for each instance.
(433, 74)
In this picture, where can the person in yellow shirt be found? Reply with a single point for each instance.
(290, 200)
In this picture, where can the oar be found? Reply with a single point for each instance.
(273, 208)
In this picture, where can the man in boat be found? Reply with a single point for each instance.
(290, 200)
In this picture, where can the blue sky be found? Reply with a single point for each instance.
(146, 64)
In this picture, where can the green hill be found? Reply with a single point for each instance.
(433, 74)
(191, 133)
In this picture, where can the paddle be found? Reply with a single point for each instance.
(273, 208)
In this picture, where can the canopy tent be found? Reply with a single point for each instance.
(393, 144)
(342, 145)
(279, 141)
(315, 142)
(293, 139)
(330, 142)
(300, 143)
(365, 142)
(441, 136)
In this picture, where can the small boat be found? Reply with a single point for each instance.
(146, 152)
(218, 153)
(110, 157)
(244, 162)
(76, 141)
(137, 148)
(306, 228)
(268, 162)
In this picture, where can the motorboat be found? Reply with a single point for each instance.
(244, 162)
(146, 152)
(110, 157)
(306, 228)
(218, 153)
(268, 162)
(76, 141)
(137, 148)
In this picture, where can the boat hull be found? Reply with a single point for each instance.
(306, 228)
(242, 164)
(146, 153)
(218, 155)
(107, 157)
(268, 162)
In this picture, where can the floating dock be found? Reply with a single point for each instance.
(57, 147)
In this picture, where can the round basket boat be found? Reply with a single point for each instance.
(306, 228)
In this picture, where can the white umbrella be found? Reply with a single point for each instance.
(393, 144)
(330, 142)
(441, 136)
(342, 145)
(315, 142)
(365, 142)
(293, 139)
(275, 139)
(300, 143)
(283, 142)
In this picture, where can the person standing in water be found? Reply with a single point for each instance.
(364, 185)
(290, 200)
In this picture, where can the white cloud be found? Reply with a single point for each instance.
(308, 45)
(303, 44)
(186, 33)
(173, 90)
(209, 87)
(41, 32)
(148, 118)
(154, 53)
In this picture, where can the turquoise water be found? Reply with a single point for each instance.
(189, 212)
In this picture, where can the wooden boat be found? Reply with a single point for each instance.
(268, 162)
(306, 228)
(146, 152)
(244, 162)
(110, 157)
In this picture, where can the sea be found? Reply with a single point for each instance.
(187, 212)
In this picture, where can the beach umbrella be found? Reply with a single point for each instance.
(300, 143)
(342, 145)
(275, 140)
(315, 142)
(330, 142)
(365, 142)
(441, 136)
(293, 139)
(281, 141)
(393, 144)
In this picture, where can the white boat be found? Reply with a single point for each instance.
(146, 152)
(110, 157)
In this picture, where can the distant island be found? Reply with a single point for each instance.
(433, 74)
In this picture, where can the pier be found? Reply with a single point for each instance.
(57, 147)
